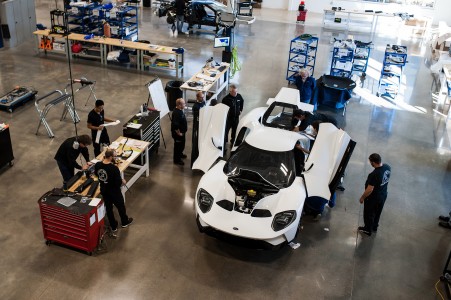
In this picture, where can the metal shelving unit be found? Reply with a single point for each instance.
(361, 56)
(84, 19)
(395, 58)
(342, 60)
(302, 54)
(124, 22)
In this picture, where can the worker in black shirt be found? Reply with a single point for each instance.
(180, 7)
(67, 154)
(110, 187)
(307, 119)
(375, 194)
(179, 127)
(235, 102)
(96, 119)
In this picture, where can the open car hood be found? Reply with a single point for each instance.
(327, 161)
(212, 122)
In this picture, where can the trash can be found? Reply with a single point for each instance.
(173, 92)
(146, 3)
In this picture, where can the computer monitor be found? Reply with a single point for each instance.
(222, 42)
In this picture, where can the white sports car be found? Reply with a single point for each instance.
(255, 197)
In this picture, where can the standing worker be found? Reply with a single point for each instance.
(179, 126)
(96, 119)
(110, 187)
(305, 84)
(67, 154)
(375, 194)
(180, 7)
(235, 102)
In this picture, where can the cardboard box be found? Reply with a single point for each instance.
(58, 46)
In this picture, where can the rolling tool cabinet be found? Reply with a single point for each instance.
(149, 131)
(79, 225)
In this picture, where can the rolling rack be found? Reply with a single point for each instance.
(302, 54)
(16, 97)
(342, 58)
(395, 58)
(361, 57)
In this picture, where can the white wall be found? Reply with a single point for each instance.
(280, 4)
(440, 12)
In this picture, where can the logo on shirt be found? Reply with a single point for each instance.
(385, 178)
(103, 176)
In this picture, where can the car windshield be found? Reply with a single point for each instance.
(279, 115)
(274, 167)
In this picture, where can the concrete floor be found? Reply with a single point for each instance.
(162, 255)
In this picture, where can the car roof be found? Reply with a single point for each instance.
(272, 139)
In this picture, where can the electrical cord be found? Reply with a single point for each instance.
(438, 292)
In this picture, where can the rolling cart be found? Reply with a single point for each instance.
(16, 97)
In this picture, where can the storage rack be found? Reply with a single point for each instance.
(84, 19)
(342, 59)
(123, 21)
(361, 57)
(395, 59)
(302, 54)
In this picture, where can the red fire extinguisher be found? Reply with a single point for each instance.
(302, 12)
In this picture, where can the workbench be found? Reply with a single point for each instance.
(354, 20)
(208, 83)
(124, 145)
(99, 47)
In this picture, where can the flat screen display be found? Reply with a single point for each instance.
(222, 42)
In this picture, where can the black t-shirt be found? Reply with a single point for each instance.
(96, 119)
(310, 118)
(67, 155)
(178, 121)
(235, 104)
(109, 177)
(379, 180)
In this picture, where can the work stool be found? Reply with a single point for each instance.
(46, 102)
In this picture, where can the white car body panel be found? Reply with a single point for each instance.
(272, 139)
(212, 122)
(326, 155)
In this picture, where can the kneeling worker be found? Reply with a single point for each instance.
(110, 188)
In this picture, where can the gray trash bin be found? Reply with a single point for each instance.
(173, 92)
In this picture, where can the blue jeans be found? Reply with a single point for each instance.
(180, 20)
(66, 172)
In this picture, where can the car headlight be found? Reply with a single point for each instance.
(204, 200)
(283, 219)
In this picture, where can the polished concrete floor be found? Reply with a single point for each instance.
(162, 255)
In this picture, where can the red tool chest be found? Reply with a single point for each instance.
(79, 225)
